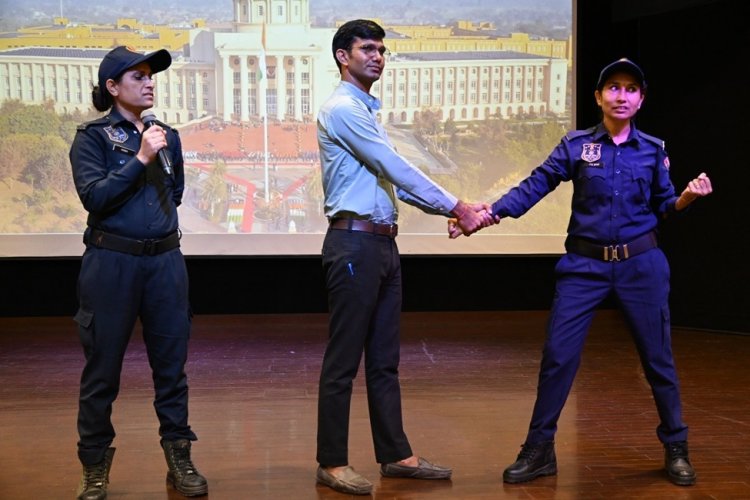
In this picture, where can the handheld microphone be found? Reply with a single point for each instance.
(149, 118)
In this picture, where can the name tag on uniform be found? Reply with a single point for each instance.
(123, 149)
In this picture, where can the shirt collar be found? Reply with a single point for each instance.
(372, 103)
(115, 118)
(600, 132)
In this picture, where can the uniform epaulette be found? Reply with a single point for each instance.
(579, 133)
(102, 120)
(651, 138)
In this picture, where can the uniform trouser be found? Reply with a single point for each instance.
(640, 285)
(114, 289)
(363, 278)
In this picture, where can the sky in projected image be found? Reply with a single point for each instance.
(475, 93)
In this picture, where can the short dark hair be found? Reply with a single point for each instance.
(358, 28)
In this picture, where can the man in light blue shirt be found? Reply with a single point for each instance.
(362, 178)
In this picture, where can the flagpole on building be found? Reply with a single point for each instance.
(265, 156)
(264, 111)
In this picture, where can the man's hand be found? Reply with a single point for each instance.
(470, 218)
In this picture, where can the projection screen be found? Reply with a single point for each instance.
(476, 94)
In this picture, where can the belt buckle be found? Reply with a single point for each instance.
(611, 253)
(149, 247)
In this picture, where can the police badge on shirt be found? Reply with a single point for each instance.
(118, 136)
(591, 154)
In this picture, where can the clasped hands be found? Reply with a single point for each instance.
(470, 218)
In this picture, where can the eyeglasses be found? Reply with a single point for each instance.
(370, 49)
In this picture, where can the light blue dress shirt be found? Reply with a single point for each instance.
(361, 168)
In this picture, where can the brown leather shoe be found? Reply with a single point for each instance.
(348, 481)
(425, 470)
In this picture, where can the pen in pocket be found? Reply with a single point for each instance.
(351, 268)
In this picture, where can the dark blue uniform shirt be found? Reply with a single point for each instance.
(619, 191)
(121, 195)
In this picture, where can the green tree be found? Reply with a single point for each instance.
(29, 120)
(314, 190)
(68, 130)
(11, 106)
(16, 150)
(450, 126)
(49, 167)
(216, 192)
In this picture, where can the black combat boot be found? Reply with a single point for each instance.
(183, 475)
(95, 478)
(678, 466)
(533, 461)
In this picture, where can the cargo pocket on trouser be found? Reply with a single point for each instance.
(85, 320)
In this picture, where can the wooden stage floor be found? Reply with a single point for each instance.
(468, 382)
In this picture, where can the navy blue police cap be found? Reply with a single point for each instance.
(122, 58)
(624, 65)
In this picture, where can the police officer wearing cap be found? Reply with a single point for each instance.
(621, 189)
(132, 267)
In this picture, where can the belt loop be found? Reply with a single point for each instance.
(350, 223)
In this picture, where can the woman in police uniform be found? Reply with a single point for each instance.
(621, 188)
(132, 267)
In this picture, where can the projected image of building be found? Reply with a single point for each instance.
(271, 62)
(465, 72)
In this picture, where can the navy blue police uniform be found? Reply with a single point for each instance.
(132, 268)
(619, 194)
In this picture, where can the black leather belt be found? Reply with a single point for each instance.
(365, 226)
(132, 246)
(611, 253)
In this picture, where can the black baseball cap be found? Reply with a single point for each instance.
(121, 58)
(625, 65)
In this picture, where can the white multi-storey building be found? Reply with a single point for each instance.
(218, 75)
